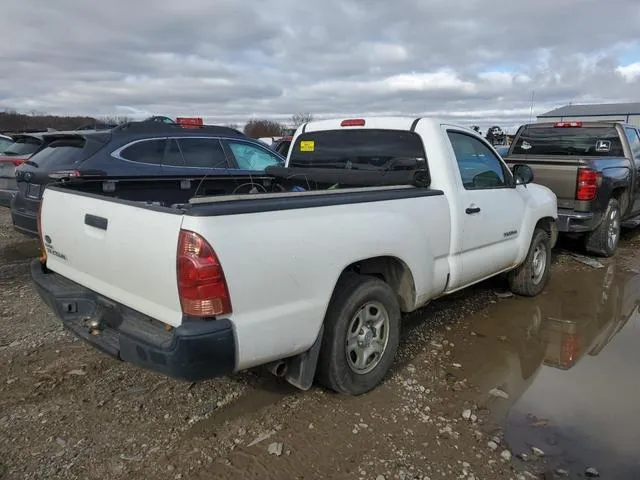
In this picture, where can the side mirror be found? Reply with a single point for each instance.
(523, 174)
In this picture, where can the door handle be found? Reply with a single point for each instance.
(96, 221)
(472, 210)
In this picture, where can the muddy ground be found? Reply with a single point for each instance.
(68, 411)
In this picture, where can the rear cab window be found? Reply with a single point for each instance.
(585, 141)
(358, 149)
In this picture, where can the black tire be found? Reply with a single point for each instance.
(526, 280)
(597, 241)
(352, 293)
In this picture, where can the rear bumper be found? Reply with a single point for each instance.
(196, 350)
(570, 221)
(24, 213)
(24, 222)
(5, 197)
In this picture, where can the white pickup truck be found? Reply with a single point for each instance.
(308, 271)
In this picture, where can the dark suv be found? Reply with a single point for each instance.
(136, 150)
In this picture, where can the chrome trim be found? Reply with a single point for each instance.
(117, 152)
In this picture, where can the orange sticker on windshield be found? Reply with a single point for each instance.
(307, 146)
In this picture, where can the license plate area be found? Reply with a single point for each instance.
(34, 191)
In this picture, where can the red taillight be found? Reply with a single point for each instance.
(201, 284)
(567, 124)
(570, 350)
(15, 161)
(587, 184)
(65, 174)
(353, 122)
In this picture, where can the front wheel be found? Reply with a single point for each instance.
(361, 335)
(530, 278)
(604, 239)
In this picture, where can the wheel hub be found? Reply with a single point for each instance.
(538, 264)
(366, 337)
(614, 230)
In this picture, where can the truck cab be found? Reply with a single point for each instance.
(593, 168)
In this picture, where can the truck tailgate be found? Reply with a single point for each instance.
(556, 173)
(122, 252)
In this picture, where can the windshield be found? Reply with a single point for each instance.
(358, 149)
(23, 146)
(600, 141)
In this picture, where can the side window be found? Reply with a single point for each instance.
(146, 151)
(203, 152)
(173, 155)
(250, 157)
(634, 142)
(479, 167)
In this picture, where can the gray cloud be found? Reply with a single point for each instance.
(476, 62)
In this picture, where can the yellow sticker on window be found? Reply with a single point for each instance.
(307, 146)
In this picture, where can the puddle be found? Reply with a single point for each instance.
(569, 362)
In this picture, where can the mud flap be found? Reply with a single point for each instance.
(301, 369)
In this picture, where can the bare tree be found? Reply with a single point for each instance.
(235, 126)
(300, 118)
(12, 121)
(263, 128)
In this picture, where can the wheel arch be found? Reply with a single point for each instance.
(393, 271)
(549, 225)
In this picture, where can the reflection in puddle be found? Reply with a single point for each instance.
(568, 360)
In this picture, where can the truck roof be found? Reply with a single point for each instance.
(390, 122)
(583, 123)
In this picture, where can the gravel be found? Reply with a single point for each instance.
(68, 411)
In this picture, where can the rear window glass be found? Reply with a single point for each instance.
(145, 151)
(23, 146)
(576, 141)
(5, 143)
(358, 149)
(59, 153)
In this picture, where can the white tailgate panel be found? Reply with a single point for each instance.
(132, 262)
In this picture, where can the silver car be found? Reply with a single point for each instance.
(21, 148)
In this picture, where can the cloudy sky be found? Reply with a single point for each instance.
(475, 61)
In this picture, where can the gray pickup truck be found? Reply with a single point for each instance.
(594, 170)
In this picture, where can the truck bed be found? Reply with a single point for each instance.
(557, 173)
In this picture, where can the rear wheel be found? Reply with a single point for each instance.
(530, 278)
(361, 336)
(604, 239)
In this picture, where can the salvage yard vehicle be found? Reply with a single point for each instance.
(282, 145)
(5, 142)
(369, 218)
(594, 170)
(134, 150)
(23, 147)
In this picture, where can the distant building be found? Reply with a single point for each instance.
(620, 112)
